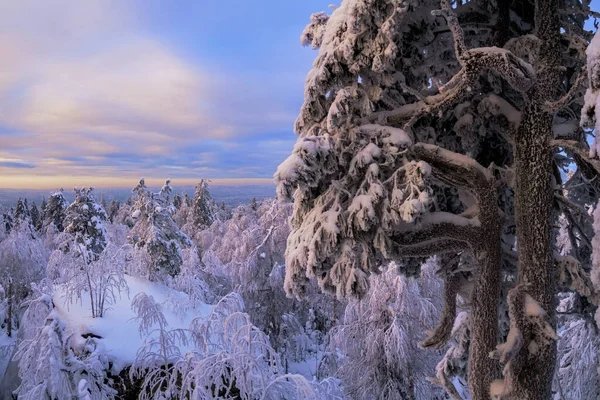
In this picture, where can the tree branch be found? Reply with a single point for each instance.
(575, 147)
(554, 106)
(438, 228)
(454, 168)
(438, 337)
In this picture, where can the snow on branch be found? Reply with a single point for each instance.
(439, 226)
(573, 276)
(456, 355)
(453, 167)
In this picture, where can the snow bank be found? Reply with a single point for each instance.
(118, 329)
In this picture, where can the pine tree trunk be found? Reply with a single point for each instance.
(9, 310)
(533, 206)
(482, 369)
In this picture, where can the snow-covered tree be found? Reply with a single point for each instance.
(54, 212)
(103, 202)
(7, 222)
(156, 233)
(155, 360)
(113, 210)
(202, 213)
(231, 359)
(22, 218)
(202, 284)
(379, 358)
(54, 364)
(101, 279)
(43, 205)
(23, 258)
(177, 201)
(408, 113)
(21, 211)
(85, 219)
(36, 218)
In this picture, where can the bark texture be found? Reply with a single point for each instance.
(533, 206)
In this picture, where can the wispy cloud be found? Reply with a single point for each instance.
(94, 89)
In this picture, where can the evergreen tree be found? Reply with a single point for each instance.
(22, 211)
(8, 221)
(113, 210)
(84, 219)
(36, 219)
(22, 218)
(401, 133)
(54, 211)
(177, 201)
(202, 213)
(156, 232)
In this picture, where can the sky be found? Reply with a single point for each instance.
(103, 92)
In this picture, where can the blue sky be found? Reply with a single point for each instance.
(102, 92)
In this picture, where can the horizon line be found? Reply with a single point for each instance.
(21, 182)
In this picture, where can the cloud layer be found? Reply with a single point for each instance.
(90, 90)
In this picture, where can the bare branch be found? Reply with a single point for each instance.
(438, 337)
(575, 147)
(567, 98)
(457, 32)
(565, 202)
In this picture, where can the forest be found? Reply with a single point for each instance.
(434, 233)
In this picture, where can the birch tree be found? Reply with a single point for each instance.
(434, 128)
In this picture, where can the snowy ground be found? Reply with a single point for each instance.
(118, 328)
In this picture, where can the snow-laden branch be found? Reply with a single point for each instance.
(574, 277)
(519, 74)
(430, 248)
(454, 168)
(439, 226)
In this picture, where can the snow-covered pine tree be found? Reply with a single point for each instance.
(21, 211)
(54, 211)
(202, 211)
(7, 221)
(156, 233)
(113, 210)
(429, 129)
(177, 201)
(85, 219)
(36, 219)
(43, 205)
(22, 218)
